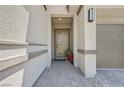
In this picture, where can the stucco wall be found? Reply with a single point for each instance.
(37, 28)
(27, 71)
(38, 34)
(13, 30)
(86, 42)
(13, 23)
(24, 74)
(81, 42)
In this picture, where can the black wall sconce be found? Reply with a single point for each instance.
(91, 14)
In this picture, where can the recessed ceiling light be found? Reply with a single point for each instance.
(60, 19)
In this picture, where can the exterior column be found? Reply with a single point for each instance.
(75, 44)
(89, 44)
(49, 42)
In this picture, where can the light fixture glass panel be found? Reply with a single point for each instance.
(91, 15)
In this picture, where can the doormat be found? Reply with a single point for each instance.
(59, 59)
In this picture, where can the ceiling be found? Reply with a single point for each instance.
(103, 12)
(61, 9)
(62, 20)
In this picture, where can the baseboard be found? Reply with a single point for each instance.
(110, 68)
(90, 75)
(59, 59)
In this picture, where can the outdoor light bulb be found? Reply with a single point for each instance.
(60, 19)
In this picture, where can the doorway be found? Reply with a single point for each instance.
(61, 42)
(62, 37)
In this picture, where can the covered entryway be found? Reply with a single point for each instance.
(30, 47)
(62, 37)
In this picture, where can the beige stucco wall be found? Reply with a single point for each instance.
(13, 23)
(13, 30)
(86, 41)
(37, 28)
(24, 74)
(81, 42)
(27, 71)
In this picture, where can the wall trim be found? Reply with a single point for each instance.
(15, 45)
(36, 54)
(7, 63)
(37, 44)
(109, 21)
(110, 69)
(82, 51)
(10, 43)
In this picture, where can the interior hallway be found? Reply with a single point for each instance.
(63, 74)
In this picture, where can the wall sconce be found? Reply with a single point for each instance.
(91, 15)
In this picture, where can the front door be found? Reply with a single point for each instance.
(61, 42)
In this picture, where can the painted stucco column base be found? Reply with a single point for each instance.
(90, 75)
(90, 65)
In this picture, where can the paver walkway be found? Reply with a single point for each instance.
(63, 74)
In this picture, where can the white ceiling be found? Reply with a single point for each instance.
(64, 20)
(61, 9)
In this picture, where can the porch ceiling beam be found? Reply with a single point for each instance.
(45, 7)
(79, 9)
(67, 7)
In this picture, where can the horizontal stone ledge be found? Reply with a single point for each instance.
(36, 44)
(38, 53)
(20, 43)
(4, 45)
(10, 43)
(86, 51)
(6, 63)
(8, 47)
